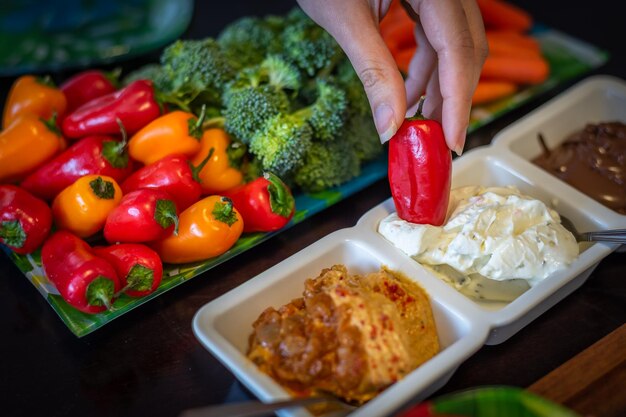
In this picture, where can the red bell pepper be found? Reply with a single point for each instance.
(265, 204)
(85, 86)
(420, 170)
(174, 174)
(143, 215)
(25, 220)
(86, 281)
(100, 155)
(139, 268)
(134, 105)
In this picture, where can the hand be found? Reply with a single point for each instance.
(446, 67)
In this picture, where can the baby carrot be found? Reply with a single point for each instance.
(517, 39)
(487, 91)
(499, 45)
(516, 70)
(504, 15)
(403, 58)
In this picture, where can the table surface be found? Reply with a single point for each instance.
(148, 361)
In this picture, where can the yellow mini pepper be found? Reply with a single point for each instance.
(83, 207)
(25, 144)
(178, 132)
(206, 229)
(218, 174)
(33, 95)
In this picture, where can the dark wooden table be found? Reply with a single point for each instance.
(148, 362)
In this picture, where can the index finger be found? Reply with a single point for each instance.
(448, 27)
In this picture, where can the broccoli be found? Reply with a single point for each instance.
(153, 72)
(258, 94)
(249, 108)
(360, 132)
(327, 164)
(197, 69)
(350, 82)
(280, 146)
(248, 40)
(309, 46)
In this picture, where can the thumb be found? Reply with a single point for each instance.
(355, 29)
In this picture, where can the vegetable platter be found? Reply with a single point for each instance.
(186, 163)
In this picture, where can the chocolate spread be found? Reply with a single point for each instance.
(593, 160)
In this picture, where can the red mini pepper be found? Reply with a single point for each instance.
(143, 215)
(138, 267)
(25, 220)
(265, 204)
(420, 170)
(100, 155)
(134, 105)
(173, 174)
(85, 86)
(85, 281)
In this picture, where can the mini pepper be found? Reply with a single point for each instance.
(33, 95)
(25, 144)
(25, 220)
(83, 207)
(177, 132)
(134, 105)
(86, 281)
(206, 229)
(420, 170)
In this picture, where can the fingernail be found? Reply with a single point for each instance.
(385, 122)
(458, 150)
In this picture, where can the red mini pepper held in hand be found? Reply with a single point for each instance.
(134, 105)
(174, 174)
(420, 170)
(99, 155)
(85, 86)
(139, 268)
(265, 204)
(143, 215)
(85, 281)
(25, 220)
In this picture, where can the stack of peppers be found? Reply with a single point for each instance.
(109, 184)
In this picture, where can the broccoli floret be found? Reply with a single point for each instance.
(257, 94)
(280, 146)
(350, 82)
(248, 108)
(327, 113)
(197, 69)
(248, 40)
(309, 46)
(360, 132)
(327, 164)
(152, 72)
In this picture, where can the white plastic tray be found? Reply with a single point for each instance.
(464, 325)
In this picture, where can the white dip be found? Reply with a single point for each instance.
(496, 242)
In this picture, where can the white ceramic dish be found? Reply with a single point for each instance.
(464, 325)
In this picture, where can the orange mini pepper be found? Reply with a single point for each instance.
(25, 144)
(206, 229)
(219, 173)
(34, 95)
(83, 207)
(177, 132)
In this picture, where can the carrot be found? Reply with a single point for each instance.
(488, 91)
(501, 46)
(504, 15)
(395, 14)
(517, 39)
(400, 36)
(516, 70)
(403, 58)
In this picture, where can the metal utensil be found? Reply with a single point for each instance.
(611, 236)
(257, 408)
